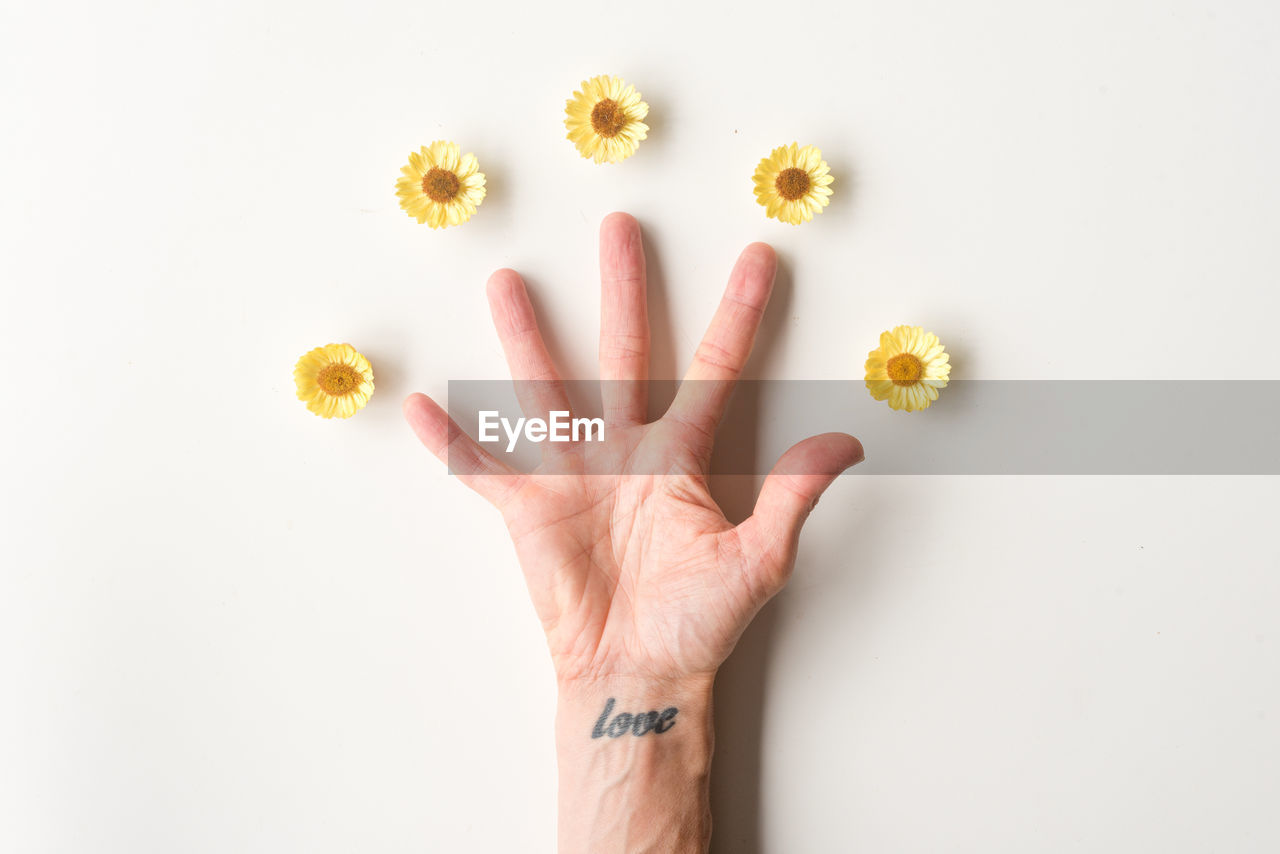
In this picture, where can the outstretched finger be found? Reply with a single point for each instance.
(790, 492)
(538, 385)
(727, 343)
(493, 479)
(624, 320)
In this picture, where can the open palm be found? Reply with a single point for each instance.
(632, 567)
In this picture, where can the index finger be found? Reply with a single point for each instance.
(725, 347)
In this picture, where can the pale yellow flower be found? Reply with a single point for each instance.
(334, 380)
(604, 119)
(908, 368)
(793, 183)
(440, 186)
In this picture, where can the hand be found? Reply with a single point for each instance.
(642, 586)
(637, 574)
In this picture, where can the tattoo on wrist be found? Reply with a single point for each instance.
(638, 723)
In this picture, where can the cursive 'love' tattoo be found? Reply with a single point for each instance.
(638, 724)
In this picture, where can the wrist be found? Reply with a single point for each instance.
(611, 707)
(634, 755)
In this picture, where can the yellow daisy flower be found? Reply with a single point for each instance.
(604, 119)
(908, 368)
(440, 186)
(793, 183)
(334, 380)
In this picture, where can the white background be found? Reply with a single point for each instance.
(227, 625)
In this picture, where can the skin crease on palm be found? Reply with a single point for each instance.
(635, 574)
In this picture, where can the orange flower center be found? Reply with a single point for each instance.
(608, 118)
(904, 369)
(338, 379)
(440, 185)
(792, 183)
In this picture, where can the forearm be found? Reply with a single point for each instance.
(629, 785)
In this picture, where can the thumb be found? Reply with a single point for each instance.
(789, 493)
